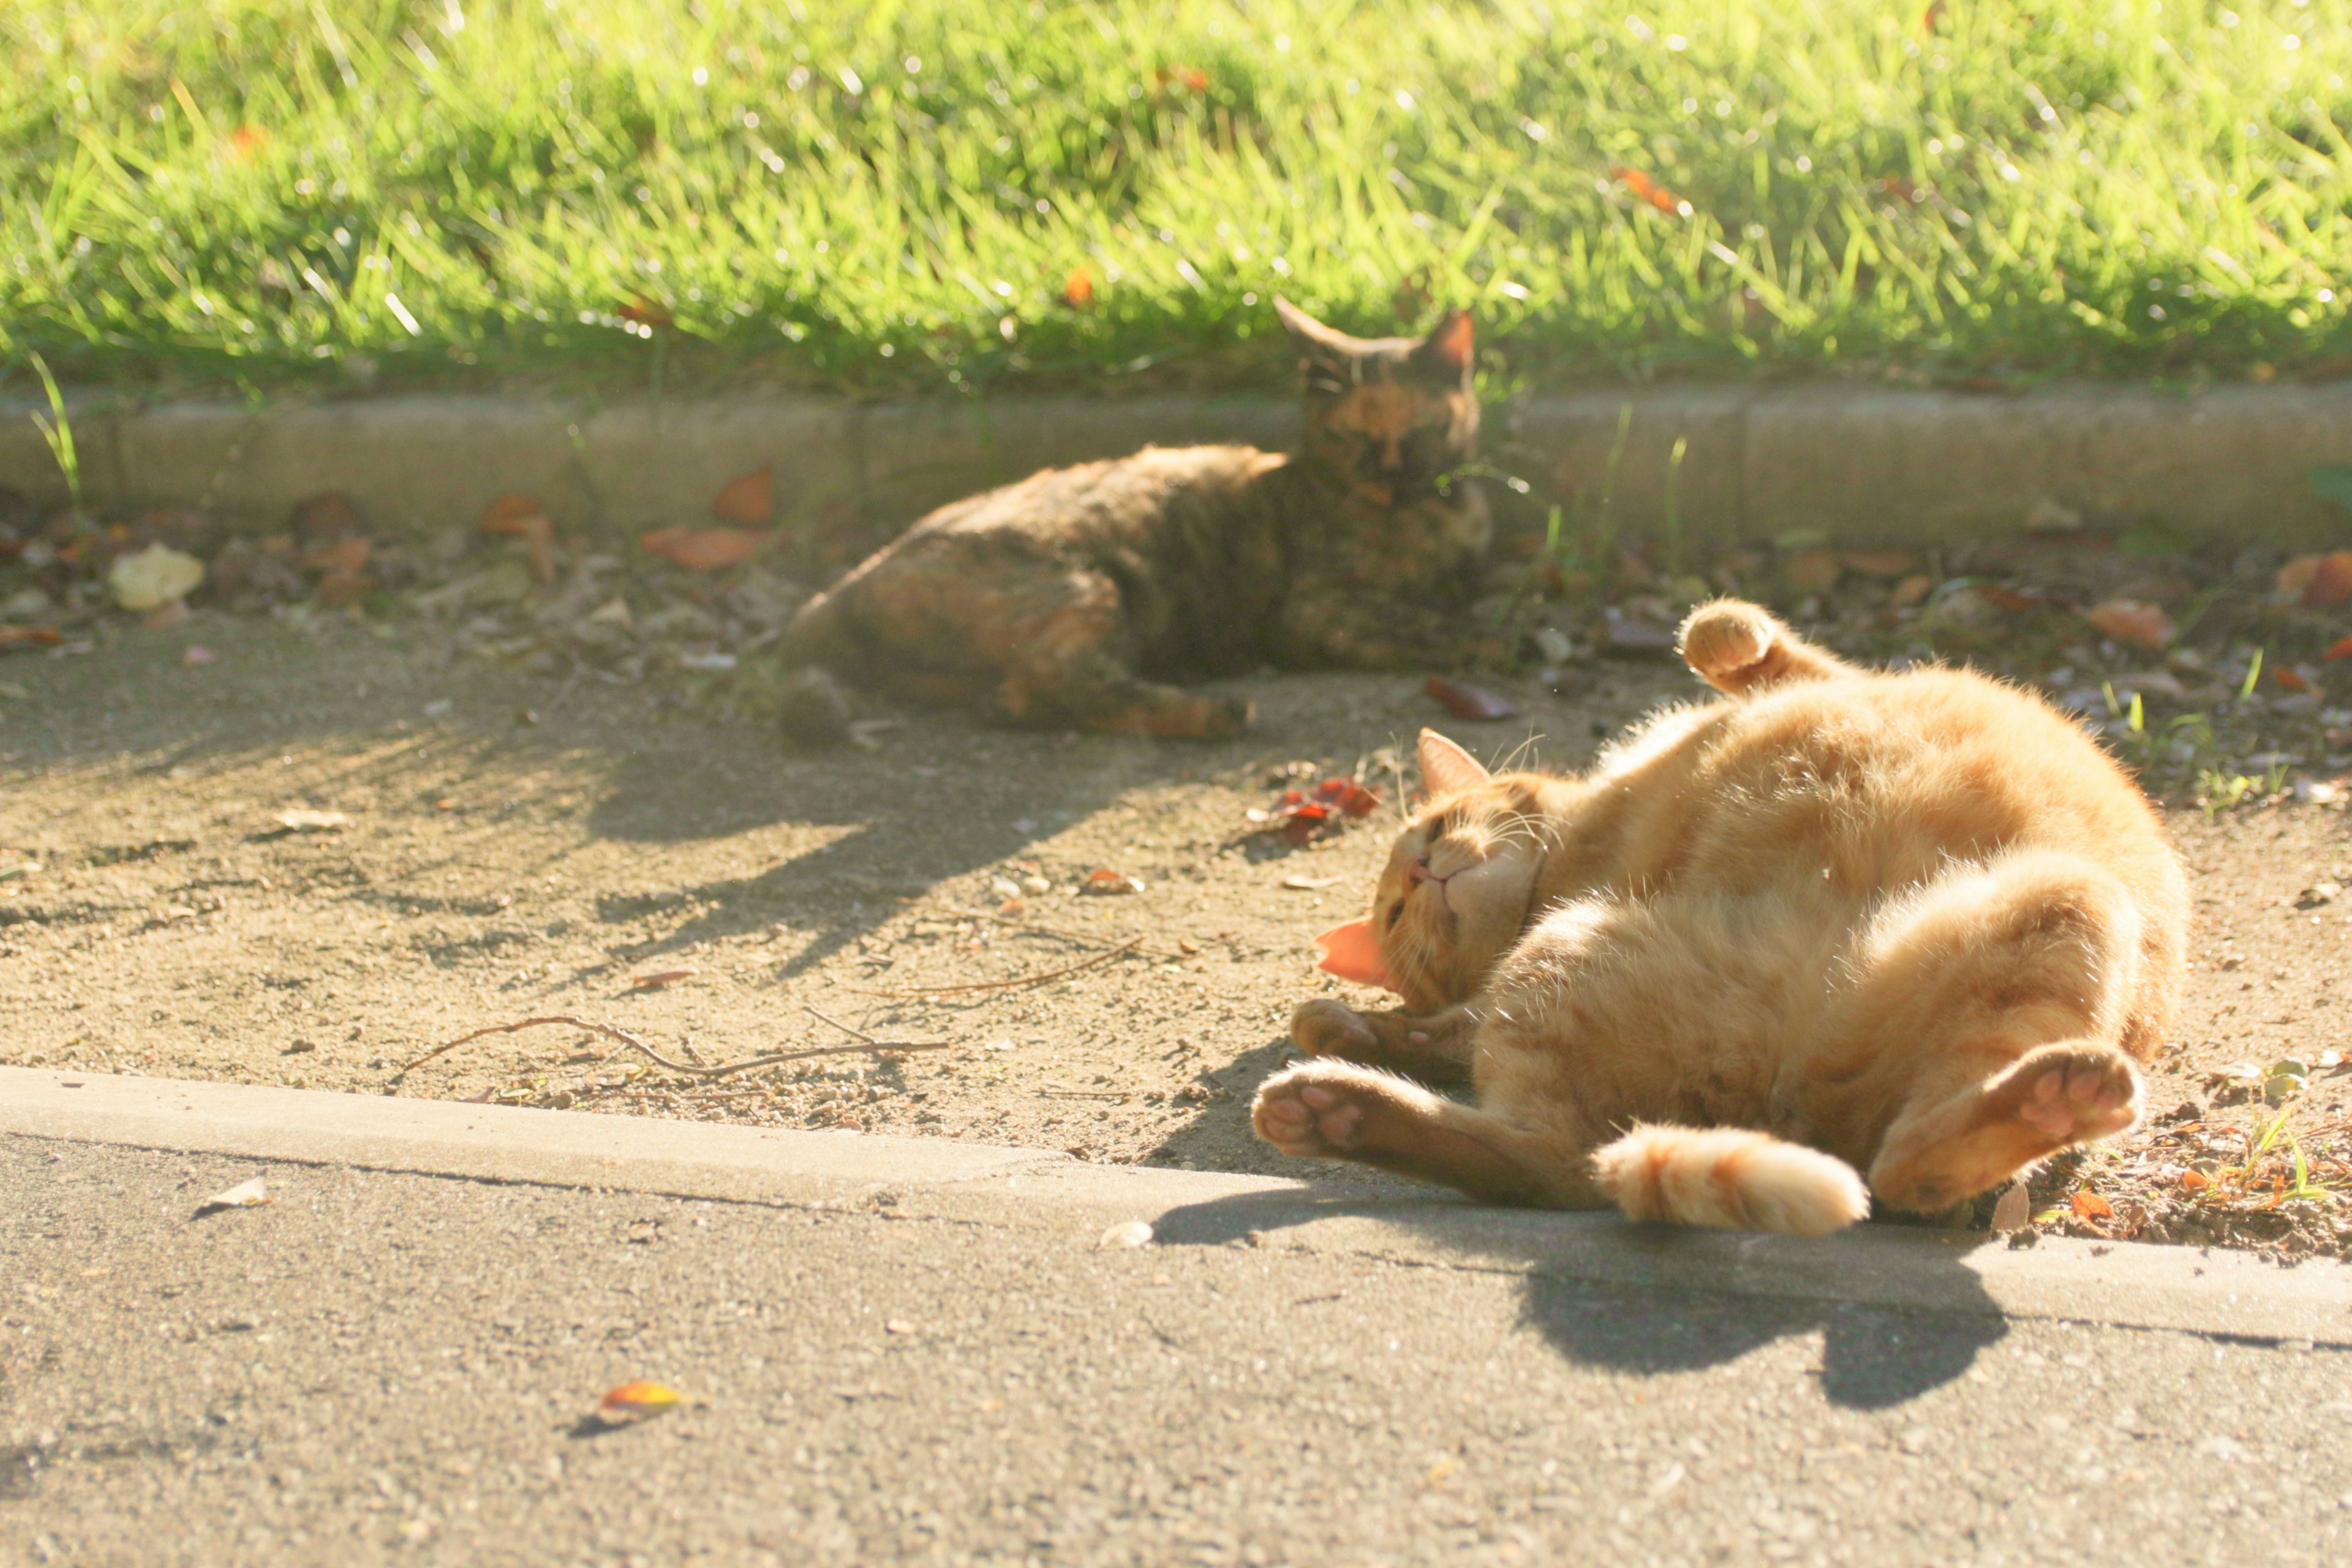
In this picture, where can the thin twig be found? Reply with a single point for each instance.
(1103, 957)
(1079, 1094)
(630, 1042)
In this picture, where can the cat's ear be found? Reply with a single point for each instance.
(1352, 952)
(1448, 350)
(1315, 341)
(1446, 767)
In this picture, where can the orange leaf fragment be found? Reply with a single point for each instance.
(637, 1401)
(1645, 188)
(524, 518)
(342, 556)
(646, 312)
(29, 636)
(1468, 702)
(2132, 621)
(705, 549)
(2340, 648)
(2195, 1180)
(2091, 1205)
(749, 499)
(248, 141)
(2292, 679)
(667, 977)
(1078, 288)
(2318, 581)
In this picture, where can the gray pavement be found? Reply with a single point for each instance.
(394, 1362)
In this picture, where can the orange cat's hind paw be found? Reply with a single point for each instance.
(1318, 1111)
(2073, 1094)
(1322, 1028)
(1722, 640)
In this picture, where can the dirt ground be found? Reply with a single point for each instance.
(519, 845)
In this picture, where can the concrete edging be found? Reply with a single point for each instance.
(1860, 463)
(2206, 1292)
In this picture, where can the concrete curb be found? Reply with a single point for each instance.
(1859, 463)
(2127, 1284)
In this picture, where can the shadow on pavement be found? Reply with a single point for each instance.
(1653, 1300)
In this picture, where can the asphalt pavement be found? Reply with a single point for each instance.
(398, 1358)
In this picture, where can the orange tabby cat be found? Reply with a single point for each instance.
(1914, 926)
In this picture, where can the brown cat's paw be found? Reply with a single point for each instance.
(2073, 1093)
(1323, 1028)
(1311, 1113)
(1227, 716)
(1722, 640)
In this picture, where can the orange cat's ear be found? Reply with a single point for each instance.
(1352, 952)
(1446, 767)
(1450, 345)
(1314, 339)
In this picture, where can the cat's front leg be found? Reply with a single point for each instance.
(1434, 1047)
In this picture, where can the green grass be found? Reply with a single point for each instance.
(893, 195)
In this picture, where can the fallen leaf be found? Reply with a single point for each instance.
(2132, 621)
(2014, 1211)
(646, 312)
(243, 1195)
(667, 977)
(342, 556)
(1126, 1233)
(2290, 679)
(151, 578)
(2091, 1205)
(1078, 288)
(637, 1402)
(1467, 702)
(749, 499)
(1644, 188)
(1884, 564)
(1105, 881)
(301, 820)
(29, 636)
(1309, 884)
(1910, 591)
(705, 549)
(1812, 571)
(2318, 581)
(2340, 648)
(1349, 797)
(522, 517)
(2195, 1180)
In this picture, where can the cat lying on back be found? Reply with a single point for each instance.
(1914, 927)
(1073, 598)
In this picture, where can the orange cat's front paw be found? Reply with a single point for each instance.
(1309, 1113)
(1721, 639)
(1323, 1028)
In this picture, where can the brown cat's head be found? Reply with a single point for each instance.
(1459, 883)
(1387, 416)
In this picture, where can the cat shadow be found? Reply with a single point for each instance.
(1653, 1299)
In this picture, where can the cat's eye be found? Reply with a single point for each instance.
(1396, 913)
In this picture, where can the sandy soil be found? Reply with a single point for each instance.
(519, 846)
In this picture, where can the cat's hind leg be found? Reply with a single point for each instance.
(1994, 1006)
(1738, 648)
(1340, 1111)
(1434, 1047)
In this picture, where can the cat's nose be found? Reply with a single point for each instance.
(1418, 873)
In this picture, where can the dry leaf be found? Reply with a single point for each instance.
(2318, 581)
(1911, 590)
(1309, 884)
(1645, 188)
(1468, 702)
(2340, 648)
(243, 1195)
(2288, 677)
(707, 548)
(1104, 880)
(1078, 288)
(1886, 564)
(349, 555)
(636, 1402)
(524, 518)
(749, 499)
(299, 820)
(2091, 1205)
(2195, 1180)
(646, 312)
(2014, 1211)
(667, 977)
(2132, 621)
(1126, 1233)
(29, 636)
(151, 578)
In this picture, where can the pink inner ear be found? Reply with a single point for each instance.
(1352, 952)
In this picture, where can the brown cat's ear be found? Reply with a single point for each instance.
(1450, 347)
(1352, 952)
(1314, 339)
(1446, 767)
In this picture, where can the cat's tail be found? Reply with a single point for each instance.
(1731, 1178)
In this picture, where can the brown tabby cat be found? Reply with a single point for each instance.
(1074, 596)
(1914, 925)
